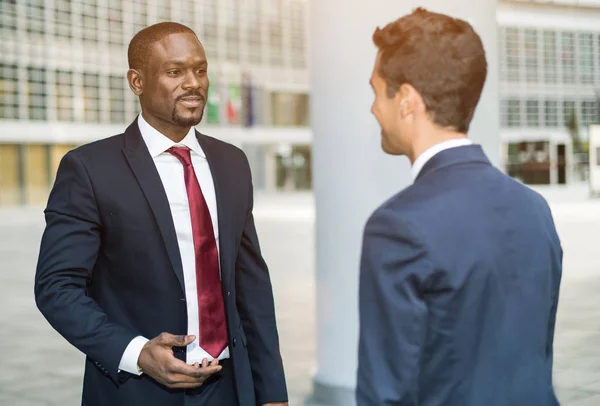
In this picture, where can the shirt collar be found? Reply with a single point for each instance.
(434, 150)
(158, 143)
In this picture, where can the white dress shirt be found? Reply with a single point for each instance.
(432, 151)
(170, 170)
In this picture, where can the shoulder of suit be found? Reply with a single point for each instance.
(104, 144)
(99, 151)
(223, 146)
(409, 204)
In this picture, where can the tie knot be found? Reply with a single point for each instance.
(181, 153)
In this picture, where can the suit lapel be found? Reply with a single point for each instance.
(218, 170)
(145, 171)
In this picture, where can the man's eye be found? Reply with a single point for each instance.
(173, 72)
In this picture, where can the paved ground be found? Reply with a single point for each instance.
(37, 367)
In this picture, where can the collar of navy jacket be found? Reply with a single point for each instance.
(454, 156)
(144, 169)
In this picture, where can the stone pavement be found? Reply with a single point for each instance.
(38, 367)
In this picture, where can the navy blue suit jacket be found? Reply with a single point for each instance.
(459, 284)
(109, 269)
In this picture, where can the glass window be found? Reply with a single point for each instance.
(8, 15)
(551, 113)
(36, 93)
(568, 111)
(589, 112)
(164, 11)
(230, 10)
(64, 95)
(289, 109)
(91, 97)
(189, 15)
(34, 16)
(567, 50)
(550, 66)
(298, 35)
(275, 31)
(117, 98)
(510, 113)
(9, 91)
(531, 55)
(586, 58)
(209, 29)
(115, 22)
(532, 113)
(140, 16)
(512, 54)
(89, 13)
(254, 37)
(514, 113)
(62, 16)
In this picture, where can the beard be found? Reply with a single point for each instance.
(187, 121)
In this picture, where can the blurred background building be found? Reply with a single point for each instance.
(549, 87)
(63, 66)
(62, 83)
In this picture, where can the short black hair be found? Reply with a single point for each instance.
(141, 43)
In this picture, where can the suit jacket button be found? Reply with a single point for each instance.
(234, 342)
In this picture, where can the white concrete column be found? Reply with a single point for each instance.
(352, 175)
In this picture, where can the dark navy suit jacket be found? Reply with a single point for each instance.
(459, 285)
(109, 269)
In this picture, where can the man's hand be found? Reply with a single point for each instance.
(158, 361)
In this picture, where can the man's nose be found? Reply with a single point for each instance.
(191, 81)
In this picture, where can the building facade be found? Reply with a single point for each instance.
(549, 87)
(62, 82)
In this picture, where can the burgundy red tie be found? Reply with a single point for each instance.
(211, 309)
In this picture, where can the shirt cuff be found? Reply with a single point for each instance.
(129, 361)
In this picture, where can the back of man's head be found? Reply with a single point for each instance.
(441, 57)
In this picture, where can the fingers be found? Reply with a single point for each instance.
(205, 363)
(182, 375)
(171, 340)
(181, 368)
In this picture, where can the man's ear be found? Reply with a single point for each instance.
(410, 100)
(404, 100)
(136, 83)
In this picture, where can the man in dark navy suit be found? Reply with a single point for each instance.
(150, 262)
(460, 271)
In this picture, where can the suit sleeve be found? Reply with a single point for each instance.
(257, 311)
(557, 275)
(69, 248)
(552, 319)
(393, 312)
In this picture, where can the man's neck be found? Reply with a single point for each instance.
(173, 132)
(423, 143)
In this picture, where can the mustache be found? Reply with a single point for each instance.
(191, 94)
